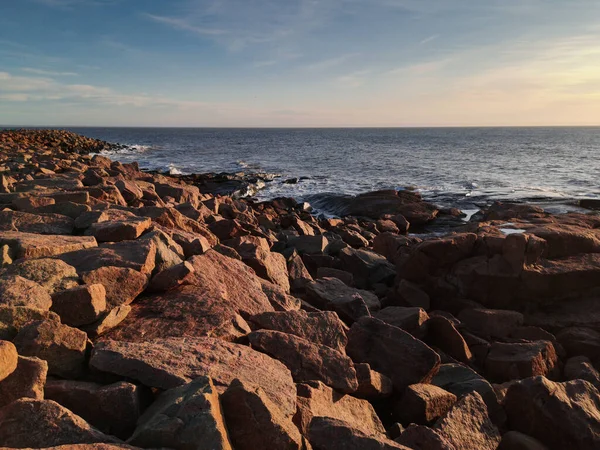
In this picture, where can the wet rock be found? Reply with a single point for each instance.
(317, 400)
(27, 381)
(122, 284)
(81, 305)
(307, 361)
(42, 423)
(113, 409)
(28, 245)
(330, 434)
(332, 294)
(423, 403)
(171, 362)
(467, 425)
(392, 351)
(322, 328)
(507, 361)
(18, 291)
(61, 346)
(560, 415)
(255, 422)
(8, 359)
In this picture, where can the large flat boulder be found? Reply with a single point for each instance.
(28, 245)
(122, 284)
(43, 423)
(13, 318)
(171, 362)
(19, 291)
(35, 223)
(52, 274)
(393, 352)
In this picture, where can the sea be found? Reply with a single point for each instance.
(466, 168)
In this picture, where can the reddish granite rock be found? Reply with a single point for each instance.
(307, 361)
(191, 243)
(513, 440)
(423, 403)
(561, 415)
(330, 272)
(108, 321)
(442, 333)
(135, 255)
(467, 425)
(42, 423)
(315, 399)
(567, 241)
(372, 384)
(8, 359)
(81, 305)
(491, 322)
(323, 328)
(412, 295)
(171, 278)
(52, 274)
(186, 417)
(121, 230)
(62, 346)
(171, 362)
(18, 291)
(113, 409)
(351, 304)
(35, 223)
(254, 422)
(13, 318)
(313, 245)
(325, 433)
(367, 267)
(420, 437)
(392, 351)
(580, 341)
(411, 320)
(280, 300)
(27, 380)
(122, 284)
(581, 368)
(28, 245)
(299, 275)
(507, 361)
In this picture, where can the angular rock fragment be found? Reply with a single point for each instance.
(28, 245)
(19, 291)
(8, 359)
(122, 284)
(423, 403)
(27, 381)
(507, 362)
(81, 305)
(13, 318)
(52, 274)
(372, 384)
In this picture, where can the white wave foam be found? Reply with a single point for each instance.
(173, 170)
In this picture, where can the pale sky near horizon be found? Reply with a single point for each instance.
(273, 63)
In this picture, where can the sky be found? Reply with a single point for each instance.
(299, 63)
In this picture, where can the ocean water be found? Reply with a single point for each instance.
(463, 167)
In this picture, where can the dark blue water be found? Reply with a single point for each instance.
(457, 166)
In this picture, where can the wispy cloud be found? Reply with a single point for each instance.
(182, 24)
(50, 73)
(429, 39)
(354, 79)
(330, 62)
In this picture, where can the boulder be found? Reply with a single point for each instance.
(467, 425)
(513, 361)
(330, 272)
(372, 384)
(442, 333)
(113, 409)
(392, 351)
(513, 440)
(171, 278)
(61, 346)
(81, 305)
(13, 318)
(43, 423)
(491, 322)
(581, 368)
(325, 433)
(254, 422)
(26, 381)
(350, 304)
(120, 230)
(280, 300)
(560, 415)
(186, 417)
(28, 245)
(307, 361)
(420, 437)
(108, 321)
(52, 274)
(579, 341)
(322, 328)
(19, 291)
(367, 267)
(411, 320)
(171, 362)
(298, 273)
(8, 359)
(315, 399)
(122, 284)
(422, 404)
(35, 223)
(312, 245)
(412, 295)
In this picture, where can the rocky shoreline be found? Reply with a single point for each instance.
(139, 310)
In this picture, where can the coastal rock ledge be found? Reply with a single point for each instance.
(139, 310)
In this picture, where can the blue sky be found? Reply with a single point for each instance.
(299, 62)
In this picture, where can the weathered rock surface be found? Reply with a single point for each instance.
(52, 274)
(81, 305)
(8, 359)
(26, 381)
(423, 403)
(29, 245)
(19, 291)
(122, 284)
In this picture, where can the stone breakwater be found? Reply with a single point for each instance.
(138, 310)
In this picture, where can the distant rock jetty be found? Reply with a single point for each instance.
(140, 310)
